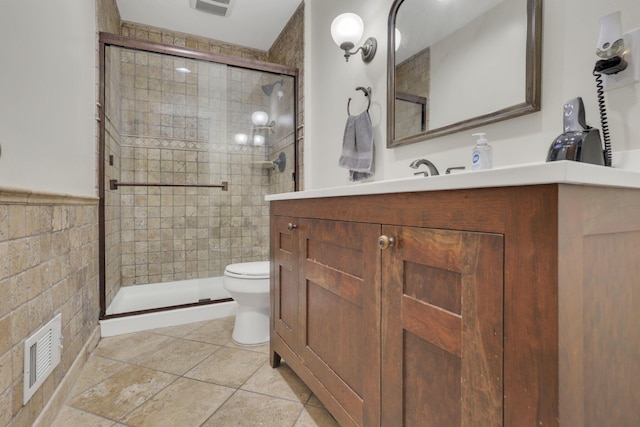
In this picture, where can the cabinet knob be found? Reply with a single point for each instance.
(385, 242)
(291, 227)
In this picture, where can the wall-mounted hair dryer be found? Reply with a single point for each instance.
(579, 142)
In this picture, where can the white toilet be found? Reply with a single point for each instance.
(248, 284)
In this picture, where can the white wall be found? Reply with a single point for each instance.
(47, 96)
(570, 32)
(481, 67)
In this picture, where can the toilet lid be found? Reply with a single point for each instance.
(259, 269)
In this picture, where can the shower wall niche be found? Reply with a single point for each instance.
(170, 126)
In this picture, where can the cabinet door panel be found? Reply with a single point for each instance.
(442, 328)
(440, 392)
(285, 292)
(340, 273)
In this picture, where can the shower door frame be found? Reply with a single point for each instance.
(108, 39)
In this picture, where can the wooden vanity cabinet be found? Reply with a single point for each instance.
(284, 283)
(326, 311)
(489, 309)
(442, 333)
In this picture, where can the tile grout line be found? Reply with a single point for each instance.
(173, 339)
(101, 381)
(150, 397)
(219, 347)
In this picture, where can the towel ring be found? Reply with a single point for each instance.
(367, 93)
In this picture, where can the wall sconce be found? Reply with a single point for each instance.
(259, 140)
(241, 138)
(261, 126)
(347, 30)
(260, 120)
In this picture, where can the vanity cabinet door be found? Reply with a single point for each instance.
(340, 291)
(285, 291)
(442, 328)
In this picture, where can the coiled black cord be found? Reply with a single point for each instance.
(603, 118)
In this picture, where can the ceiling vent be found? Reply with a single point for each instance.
(214, 7)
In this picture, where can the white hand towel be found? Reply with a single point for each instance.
(358, 147)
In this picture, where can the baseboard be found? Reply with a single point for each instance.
(60, 395)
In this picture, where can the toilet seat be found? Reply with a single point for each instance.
(248, 270)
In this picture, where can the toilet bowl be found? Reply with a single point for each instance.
(248, 285)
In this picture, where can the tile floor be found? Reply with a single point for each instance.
(189, 375)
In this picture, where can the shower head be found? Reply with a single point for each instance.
(268, 89)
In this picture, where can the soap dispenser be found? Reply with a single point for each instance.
(482, 153)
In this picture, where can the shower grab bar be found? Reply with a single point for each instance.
(114, 184)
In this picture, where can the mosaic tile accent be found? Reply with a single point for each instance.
(164, 143)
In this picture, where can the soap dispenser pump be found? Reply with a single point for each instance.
(482, 153)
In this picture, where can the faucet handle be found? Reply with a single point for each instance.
(448, 171)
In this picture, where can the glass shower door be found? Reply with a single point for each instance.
(187, 167)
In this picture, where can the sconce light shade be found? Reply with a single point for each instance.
(241, 138)
(398, 37)
(260, 118)
(258, 140)
(347, 30)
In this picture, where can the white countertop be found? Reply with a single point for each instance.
(564, 172)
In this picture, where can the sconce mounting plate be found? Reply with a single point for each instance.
(369, 49)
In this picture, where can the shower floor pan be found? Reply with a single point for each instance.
(148, 297)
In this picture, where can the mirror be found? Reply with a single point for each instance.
(454, 65)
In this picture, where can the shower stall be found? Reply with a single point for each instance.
(190, 144)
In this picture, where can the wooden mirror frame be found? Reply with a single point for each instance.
(533, 83)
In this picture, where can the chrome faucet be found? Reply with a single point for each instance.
(432, 168)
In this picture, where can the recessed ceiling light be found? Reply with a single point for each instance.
(183, 70)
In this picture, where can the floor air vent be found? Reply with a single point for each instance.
(41, 356)
(214, 7)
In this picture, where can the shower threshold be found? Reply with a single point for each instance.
(143, 307)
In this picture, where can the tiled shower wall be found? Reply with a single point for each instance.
(178, 128)
(161, 35)
(171, 130)
(288, 49)
(281, 108)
